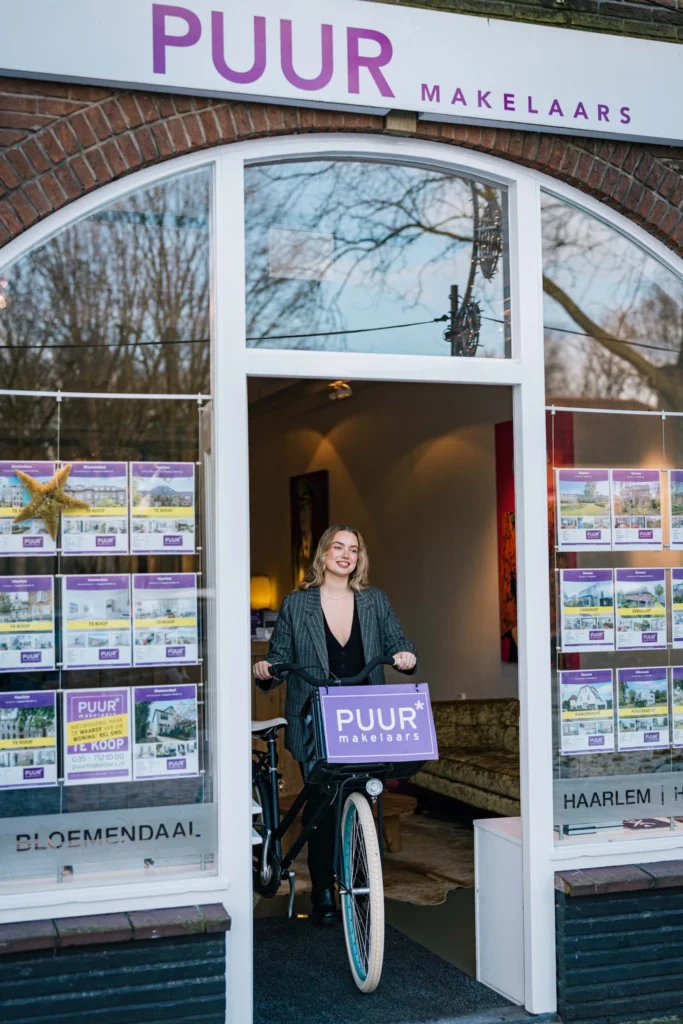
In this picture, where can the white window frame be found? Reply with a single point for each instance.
(233, 363)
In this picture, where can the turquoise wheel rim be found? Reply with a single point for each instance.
(361, 968)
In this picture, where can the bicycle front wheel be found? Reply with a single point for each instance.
(362, 897)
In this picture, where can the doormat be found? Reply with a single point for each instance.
(301, 974)
(436, 856)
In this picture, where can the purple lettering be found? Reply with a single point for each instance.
(580, 111)
(482, 101)
(625, 115)
(432, 95)
(218, 51)
(459, 97)
(530, 108)
(603, 112)
(373, 64)
(160, 38)
(509, 100)
(555, 108)
(286, 58)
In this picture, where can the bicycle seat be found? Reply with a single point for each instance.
(258, 728)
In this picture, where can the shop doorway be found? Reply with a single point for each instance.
(424, 471)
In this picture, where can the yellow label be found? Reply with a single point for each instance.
(8, 511)
(110, 728)
(98, 510)
(678, 605)
(162, 513)
(587, 714)
(633, 613)
(190, 620)
(25, 627)
(651, 709)
(35, 741)
(604, 610)
(98, 624)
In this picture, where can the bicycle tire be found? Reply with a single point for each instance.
(362, 900)
(267, 873)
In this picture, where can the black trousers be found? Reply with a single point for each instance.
(321, 842)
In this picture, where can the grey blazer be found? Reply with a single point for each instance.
(299, 637)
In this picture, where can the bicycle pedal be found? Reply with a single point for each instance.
(291, 878)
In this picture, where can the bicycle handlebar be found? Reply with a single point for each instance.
(287, 668)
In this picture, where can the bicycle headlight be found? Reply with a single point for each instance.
(373, 787)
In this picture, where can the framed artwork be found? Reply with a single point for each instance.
(309, 510)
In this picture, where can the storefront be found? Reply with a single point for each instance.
(135, 211)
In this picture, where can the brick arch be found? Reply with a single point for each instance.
(60, 142)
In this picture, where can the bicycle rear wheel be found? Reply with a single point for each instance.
(362, 898)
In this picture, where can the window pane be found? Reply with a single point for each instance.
(370, 257)
(613, 315)
(118, 301)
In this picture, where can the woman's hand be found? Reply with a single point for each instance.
(404, 661)
(262, 671)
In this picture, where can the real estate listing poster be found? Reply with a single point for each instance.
(642, 708)
(162, 507)
(96, 627)
(28, 739)
(677, 704)
(636, 509)
(583, 509)
(30, 537)
(27, 624)
(676, 508)
(587, 608)
(641, 609)
(97, 745)
(165, 619)
(587, 711)
(103, 529)
(165, 731)
(677, 607)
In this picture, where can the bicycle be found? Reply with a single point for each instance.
(358, 855)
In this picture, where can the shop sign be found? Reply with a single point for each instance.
(40, 844)
(354, 55)
(617, 798)
(366, 724)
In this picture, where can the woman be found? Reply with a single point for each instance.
(334, 625)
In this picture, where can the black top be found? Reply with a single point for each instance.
(349, 660)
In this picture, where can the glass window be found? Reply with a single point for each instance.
(371, 257)
(106, 696)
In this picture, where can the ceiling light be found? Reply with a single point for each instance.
(339, 389)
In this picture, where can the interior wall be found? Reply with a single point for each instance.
(412, 466)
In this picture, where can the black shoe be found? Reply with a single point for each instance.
(324, 906)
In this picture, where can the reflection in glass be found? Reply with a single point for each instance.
(342, 255)
(613, 315)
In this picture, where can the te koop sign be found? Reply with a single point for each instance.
(366, 724)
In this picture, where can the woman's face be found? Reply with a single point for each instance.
(342, 555)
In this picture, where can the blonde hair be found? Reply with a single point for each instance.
(358, 580)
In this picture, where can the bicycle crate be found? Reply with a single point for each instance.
(381, 752)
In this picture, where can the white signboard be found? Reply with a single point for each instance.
(354, 55)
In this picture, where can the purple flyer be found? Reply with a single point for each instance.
(583, 509)
(677, 607)
(28, 739)
(676, 507)
(587, 609)
(103, 529)
(587, 711)
(378, 723)
(97, 744)
(643, 708)
(641, 609)
(162, 510)
(636, 509)
(165, 741)
(165, 619)
(96, 629)
(31, 536)
(27, 624)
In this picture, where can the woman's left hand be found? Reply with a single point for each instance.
(404, 661)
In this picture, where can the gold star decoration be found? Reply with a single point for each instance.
(48, 500)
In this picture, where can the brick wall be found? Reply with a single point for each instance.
(59, 142)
